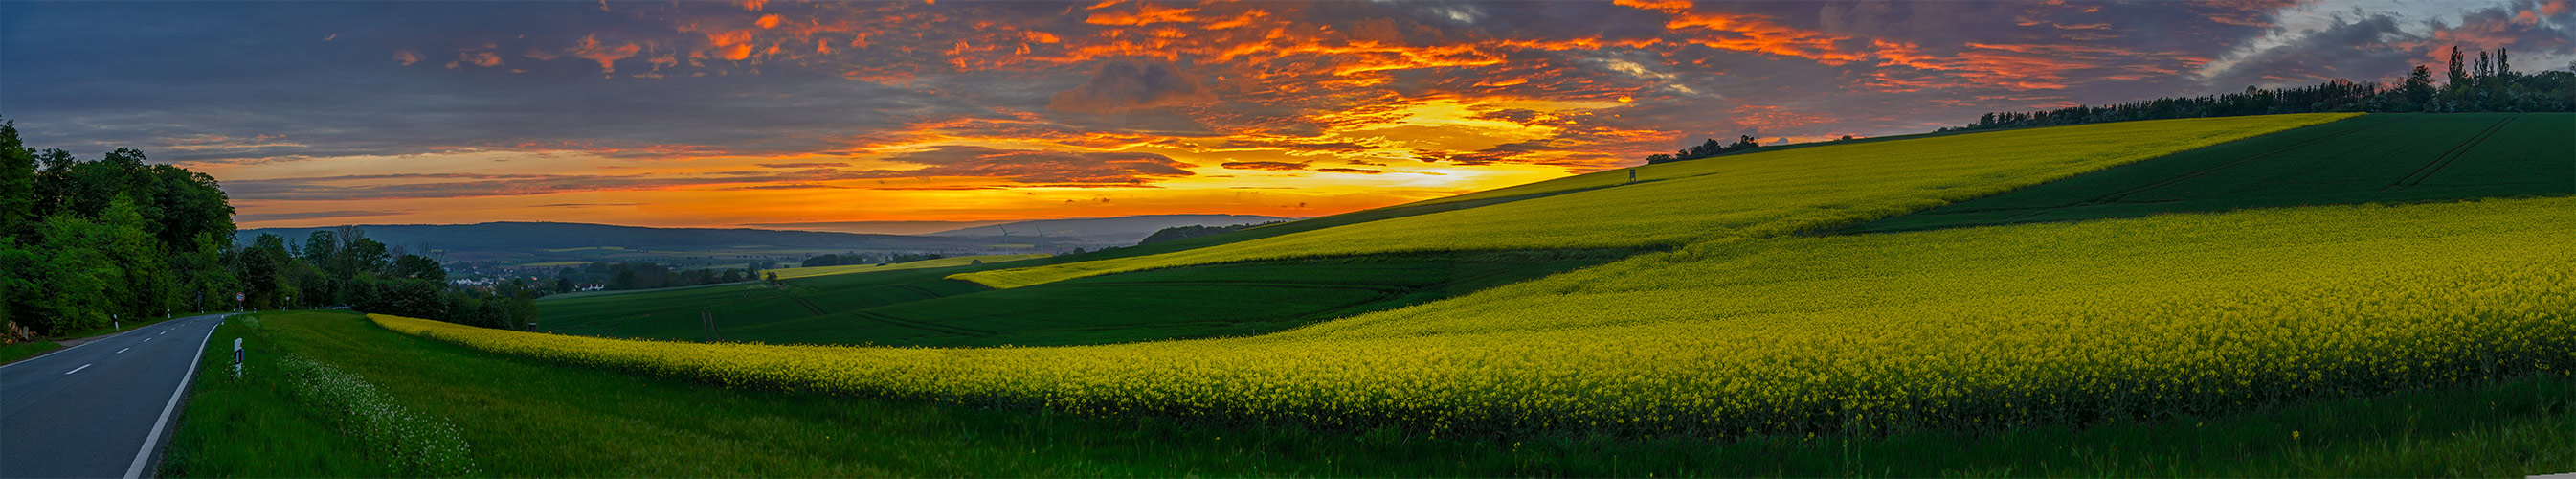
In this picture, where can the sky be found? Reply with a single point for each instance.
(919, 115)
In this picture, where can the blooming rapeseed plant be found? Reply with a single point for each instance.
(1965, 328)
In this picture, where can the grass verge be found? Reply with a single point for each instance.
(10, 353)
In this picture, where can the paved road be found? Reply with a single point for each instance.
(98, 409)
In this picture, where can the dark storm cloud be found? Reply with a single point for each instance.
(1034, 168)
(2367, 48)
(1120, 85)
(257, 82)
(168, 78)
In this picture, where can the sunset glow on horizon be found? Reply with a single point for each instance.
(779, 114)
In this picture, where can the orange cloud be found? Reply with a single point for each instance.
(591, 49)
(1264, 165)
(1145, 14)
(479, 58)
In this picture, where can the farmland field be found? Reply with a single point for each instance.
(1749, 195)
(2441, 157)
(534, 419)
(793, 273)
(1975, 329)
(683, 313)
(1215, 300)
(920, 307)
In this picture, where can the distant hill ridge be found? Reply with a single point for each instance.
(514, 235)
(1122, 229)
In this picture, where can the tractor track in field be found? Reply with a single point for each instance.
(2447, 158)
(809, 305)
(925, 294)
(957, 330)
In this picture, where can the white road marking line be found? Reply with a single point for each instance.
(136, 471)
(75, 370)
(122, 351)
(147, 340)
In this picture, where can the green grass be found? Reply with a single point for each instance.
(532, 419)
(920, 307)
(675, 313)
(250, 427)
(10, 353)
(1957, 328)
(2387, 158)
(1240, 299)
(1750, 195)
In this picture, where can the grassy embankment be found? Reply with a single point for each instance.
(534, 419)
(10, 353)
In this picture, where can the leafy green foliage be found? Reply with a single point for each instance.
(80, 283)
(87, 243)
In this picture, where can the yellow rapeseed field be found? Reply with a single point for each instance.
(1751, 195)
(793, 273)
(1963, 328)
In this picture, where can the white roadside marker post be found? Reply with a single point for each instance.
(237, 357)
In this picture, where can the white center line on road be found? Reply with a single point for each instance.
(122, 351)
(75, 370)
(147, 340)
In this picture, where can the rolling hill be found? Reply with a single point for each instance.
(2441, 157)
(1119, 231)
(1750, 195)
(526, 243)
(1716, 302)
